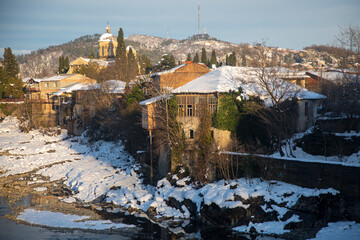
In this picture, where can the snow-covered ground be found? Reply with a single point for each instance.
(339, 231)
(300, 155)
(51, 219)
(105, 169)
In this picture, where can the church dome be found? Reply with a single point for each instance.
(107, 37)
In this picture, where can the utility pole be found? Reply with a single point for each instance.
(199, 18)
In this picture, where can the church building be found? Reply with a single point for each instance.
(107, 45)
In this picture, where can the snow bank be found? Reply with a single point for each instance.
(339, 231)
(61, 220)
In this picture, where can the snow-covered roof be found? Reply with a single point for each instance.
(107, 37)
(169, 71)
(100, 62)
(24, 80)
(173, 69)
(53, 78)
(226, 78)
(334, 76)
(113, 86)
(154, 99)
(71, 88)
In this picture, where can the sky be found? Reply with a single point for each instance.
(29, 25)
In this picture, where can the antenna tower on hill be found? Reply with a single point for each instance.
(199, 18)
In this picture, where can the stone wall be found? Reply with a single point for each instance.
(345, 179)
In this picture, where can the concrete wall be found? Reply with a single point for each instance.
(306, 118)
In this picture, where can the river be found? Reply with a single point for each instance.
(10, 229)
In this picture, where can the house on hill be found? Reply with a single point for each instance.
(320, 78)
(179, 75)
(78, 63)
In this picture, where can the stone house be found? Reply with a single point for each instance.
(207, 90)
(40, 90)
(84, 104)
(226, 79)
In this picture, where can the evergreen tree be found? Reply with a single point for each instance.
(63, 65)
(66, 64)
(13, 88)
(133, 68)
(121, 49)
(10, 63)
(10, 85)
(232, 59)
(188, 57)
(3, 81)
(196, 58)
(167, 62)
(227, 60)
(203, 56)
(121, 58)
(213, 60)
(243, 61)
(208, 64)
(145, 64)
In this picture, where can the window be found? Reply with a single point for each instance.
(46, 85)
(189, 110)
(55, 84)
(181, 110)
(306, 108)
(191, 134)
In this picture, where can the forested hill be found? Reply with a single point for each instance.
(44, 62)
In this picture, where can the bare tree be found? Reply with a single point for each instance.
(344, 93)
(280, 111)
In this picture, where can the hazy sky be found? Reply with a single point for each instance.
(27, 25)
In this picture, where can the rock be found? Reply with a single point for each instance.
(223, 217)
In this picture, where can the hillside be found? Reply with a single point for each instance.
(44, 62)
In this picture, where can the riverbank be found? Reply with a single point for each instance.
(101, 181)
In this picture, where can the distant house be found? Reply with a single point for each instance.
(85, 100)
(40, 92)
(79, 62)
(178, 76)
(40, 88)
(320, 78)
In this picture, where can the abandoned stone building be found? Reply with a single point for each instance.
(207, 90)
